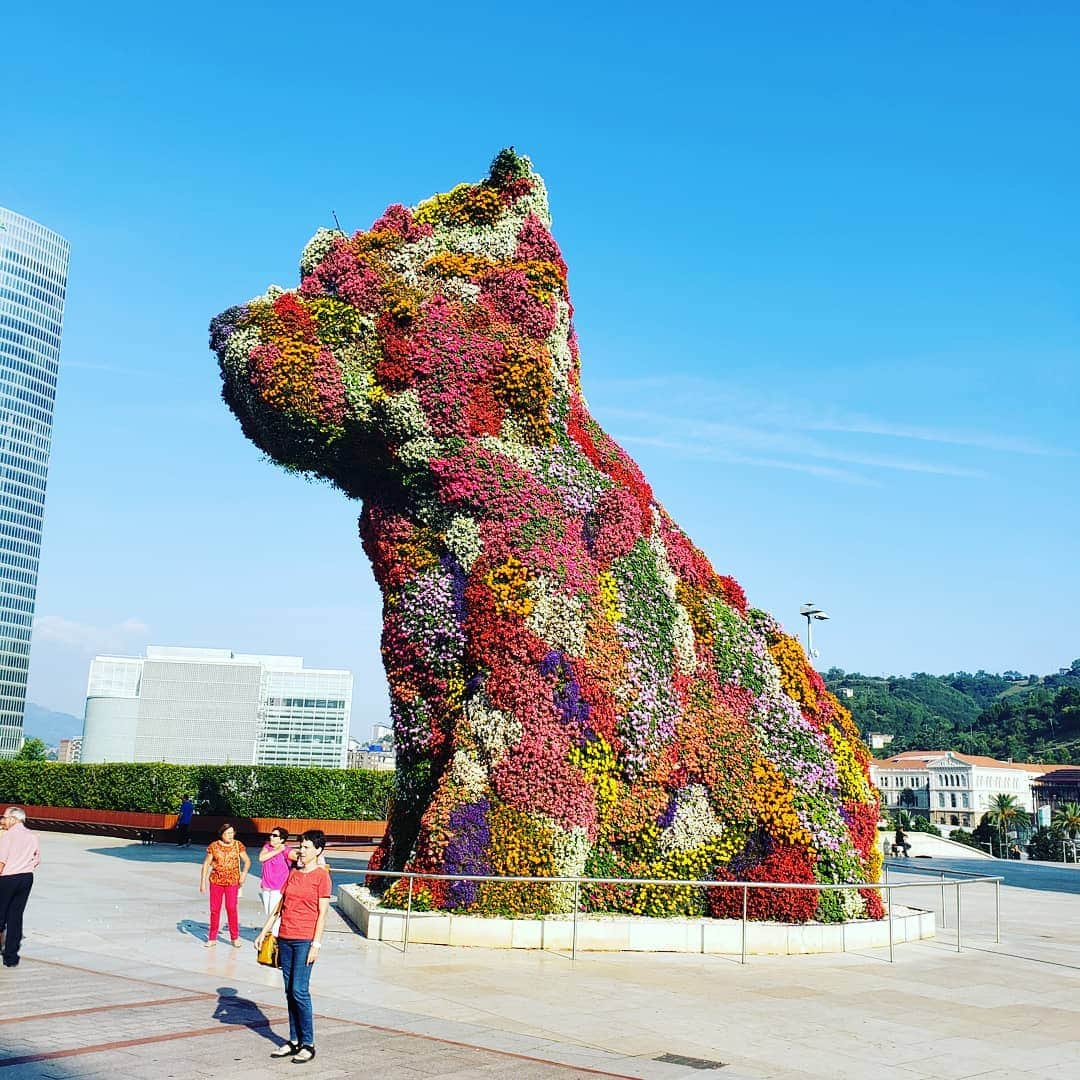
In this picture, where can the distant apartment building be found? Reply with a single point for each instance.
(879, 740)
(378, 755)
(952, 790)
(215, 706)
(70, 750)
(33, 286)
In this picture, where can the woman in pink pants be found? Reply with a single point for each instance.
(224, 869)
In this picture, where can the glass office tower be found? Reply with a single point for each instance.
(33, 282)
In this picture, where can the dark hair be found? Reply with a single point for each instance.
(225, 825)
(281, 831)
(317, 838)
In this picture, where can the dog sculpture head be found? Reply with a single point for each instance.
(448, 322)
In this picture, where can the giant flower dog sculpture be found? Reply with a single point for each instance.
(575, 690)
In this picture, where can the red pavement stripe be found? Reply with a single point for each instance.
(122, 1044)
(318, 1016)
(103, 1008)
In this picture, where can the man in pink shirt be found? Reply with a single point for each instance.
(19, 858)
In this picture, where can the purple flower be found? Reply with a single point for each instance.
(457, 584)
(465, 852)
(223, 326)
(667, 818)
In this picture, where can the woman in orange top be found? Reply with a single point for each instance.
(305, 899)
(224, 868)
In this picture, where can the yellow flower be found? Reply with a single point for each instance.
(509, 581)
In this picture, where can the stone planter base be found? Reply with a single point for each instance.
(628, 933)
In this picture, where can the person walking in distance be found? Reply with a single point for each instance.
(183, 822)
(19, 858)
(900, 842)
(275, 862)
(305, 899)
(224, 869)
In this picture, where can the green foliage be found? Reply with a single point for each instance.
(32, 750)
(237, 790)
(1067, 819)
(1048, 845)
(1006, 814)
(962, 836)
(508, 166)
(1024, 718)
(921, 824)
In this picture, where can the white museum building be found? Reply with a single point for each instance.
(953, 790)
(215, 707)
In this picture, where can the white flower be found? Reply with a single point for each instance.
(317, 248)
(358, 378)
(463, 540)
(405, 417)
(496, 242)
(238, 350)
(571, 848)
(557, 619)
(535, 202)
(408, 260)
(558, 345)
(467, 772)
(694, 824)
(509, 444)
(468, 292)
(683, 632)
(495, 730)
(418, 451)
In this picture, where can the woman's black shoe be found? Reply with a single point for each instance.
(285, 1050)
(303, 1055)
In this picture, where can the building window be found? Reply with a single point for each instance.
(941, 799)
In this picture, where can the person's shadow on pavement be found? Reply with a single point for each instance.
(235, 1010)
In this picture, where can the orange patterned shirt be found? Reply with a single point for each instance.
(225, 869)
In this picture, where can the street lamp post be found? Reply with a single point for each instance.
(810, 612)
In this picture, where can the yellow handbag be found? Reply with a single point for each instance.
(268, 952)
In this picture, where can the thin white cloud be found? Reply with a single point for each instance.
(1003, 443)
(697, 394)
(87, 638)
(733, 439)
(712, 453)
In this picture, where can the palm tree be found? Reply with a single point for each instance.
(1004, 812)
(1067, 819)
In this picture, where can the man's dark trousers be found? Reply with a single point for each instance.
(14, 892)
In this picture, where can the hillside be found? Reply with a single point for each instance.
(49, 726)
(1028, 718)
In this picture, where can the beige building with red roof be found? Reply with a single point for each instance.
(954, 790)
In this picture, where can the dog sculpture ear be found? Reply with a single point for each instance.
(297, 372)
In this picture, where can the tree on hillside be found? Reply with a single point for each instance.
(1006, 813)
(33, 750)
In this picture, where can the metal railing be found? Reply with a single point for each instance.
(885, 886)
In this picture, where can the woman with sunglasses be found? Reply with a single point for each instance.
(275, 862)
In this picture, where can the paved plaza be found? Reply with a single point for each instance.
(115, 982)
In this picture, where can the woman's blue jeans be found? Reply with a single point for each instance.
(296, 972)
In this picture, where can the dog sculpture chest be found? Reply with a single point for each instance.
(574, 689)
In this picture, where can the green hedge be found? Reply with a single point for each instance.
(233, 790)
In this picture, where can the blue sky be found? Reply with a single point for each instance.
(824, 261)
